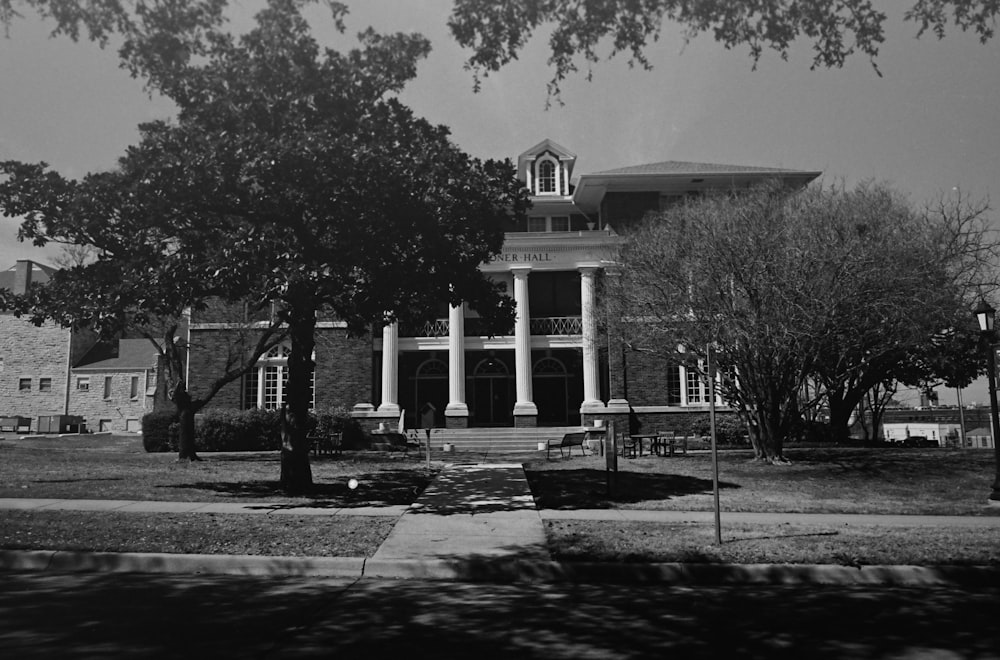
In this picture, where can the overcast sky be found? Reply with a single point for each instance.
(927, 126)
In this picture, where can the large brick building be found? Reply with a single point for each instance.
(552, 369)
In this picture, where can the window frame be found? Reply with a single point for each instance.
(24, 384)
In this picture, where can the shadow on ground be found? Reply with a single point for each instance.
(123, 616)
(587, 489)
(383, 488)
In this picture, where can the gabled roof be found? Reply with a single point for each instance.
(567, 157)
(123, 355)
(40, 274)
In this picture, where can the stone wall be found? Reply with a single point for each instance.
(38, 356)
(118, 411)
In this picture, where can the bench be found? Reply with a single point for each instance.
(14, 423)
(325, 444)
(570, 440)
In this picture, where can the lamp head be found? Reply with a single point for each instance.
(986, 315)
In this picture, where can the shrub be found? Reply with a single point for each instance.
(238, 430)
(728, 427)
(159, 431)
(339, 420)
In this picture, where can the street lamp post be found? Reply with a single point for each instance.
(986, 316)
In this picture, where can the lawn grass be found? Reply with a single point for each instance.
(791, 543)
(117, 468)
(202, 533)
(823, 480)
(819, 480)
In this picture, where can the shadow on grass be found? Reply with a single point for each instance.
(230, 616)
(74, 481)
(587, 489)
(384, 488)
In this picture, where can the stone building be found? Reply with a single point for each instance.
(114, 385)
(35, 361)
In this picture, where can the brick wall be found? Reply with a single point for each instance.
(646, 379)
(118, 410)
(343, 368)
(32, 353)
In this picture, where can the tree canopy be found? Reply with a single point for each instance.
(293, 175)
(496, 31)
(843, 286)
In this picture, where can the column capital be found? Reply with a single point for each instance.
(520, 272)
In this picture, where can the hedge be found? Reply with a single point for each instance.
(243, 430)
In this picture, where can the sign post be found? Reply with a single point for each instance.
(611, 458)
(715, 450)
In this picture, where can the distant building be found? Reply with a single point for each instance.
(50, 374)
(942, 425)
(35, 361)
(114, 385)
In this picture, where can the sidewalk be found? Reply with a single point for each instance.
(479, 522)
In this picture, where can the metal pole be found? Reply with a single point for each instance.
(961, 418)
(715, 449)
(992, 372)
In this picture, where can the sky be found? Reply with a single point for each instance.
(927, 126)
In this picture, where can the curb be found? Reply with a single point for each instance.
(493, 569)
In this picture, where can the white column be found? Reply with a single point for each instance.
(522, 345)
(588, 300)
(390, 369)
(456, 363)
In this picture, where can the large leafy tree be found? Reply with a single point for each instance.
(497, 30)
(309, 184)
(847, 288)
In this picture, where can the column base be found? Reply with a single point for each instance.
(457, 410)
(525, 421)
(451, 422)
(389, 409)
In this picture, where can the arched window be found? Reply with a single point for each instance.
(267, 385)
(547, 179)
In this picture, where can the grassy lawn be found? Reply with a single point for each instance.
(894, 481)
(117, 468)
(835, 480)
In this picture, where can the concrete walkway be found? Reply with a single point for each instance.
(479, 522)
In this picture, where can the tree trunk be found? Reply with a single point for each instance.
(185, 423)
(840, 418)
(296, 473)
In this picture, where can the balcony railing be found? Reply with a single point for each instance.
(435, 328)
(557, 325)
(546, 325)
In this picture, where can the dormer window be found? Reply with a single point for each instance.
(548, 176)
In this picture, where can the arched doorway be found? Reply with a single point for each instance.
(431, 386)
(491, 393)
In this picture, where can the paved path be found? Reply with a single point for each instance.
(478, 513)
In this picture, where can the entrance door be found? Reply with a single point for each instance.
(491, 393)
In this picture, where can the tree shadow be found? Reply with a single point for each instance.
(121, 616)
(478, 490)
(382, 488)
(587, 488)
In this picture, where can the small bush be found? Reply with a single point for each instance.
(728, 427)
(159, 431)
(238, 430)
(339, 420)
